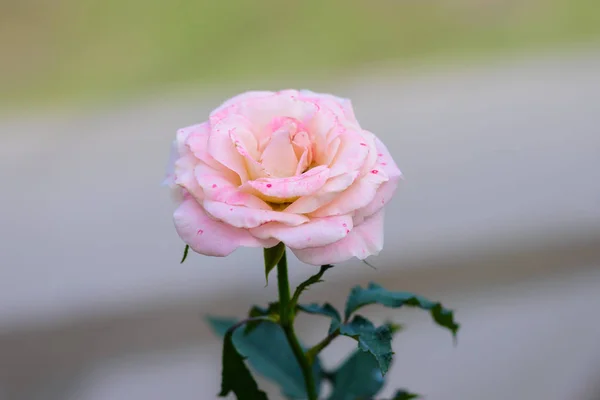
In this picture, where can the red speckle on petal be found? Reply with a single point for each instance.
(214, 185)
(347, 231)
(374, 171)
(345, 225)
(231, 209)
(200, 232)
(380, 154)
(383, 163)
(269, 185)
(363, 144)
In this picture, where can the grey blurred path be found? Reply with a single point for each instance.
(497, 161)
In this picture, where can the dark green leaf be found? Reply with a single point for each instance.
(359, 377)
(236, 377)
(185, 253)
(404, 395)
(272, 257)
(271, 311)
(267, 351)
(377, 341)
(316, 278)
(360, 297)
(327, 310)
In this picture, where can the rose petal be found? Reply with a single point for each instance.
(284, 104)
(209, 237)
(332, 150)
(351, 154)
(385, 163)
(326, 194)
(358, 195)
(342, 107)
(184, 176)
(363, 241)
(248, 149)
(279, 158)
(244, 217)
(217, 186)
(194, 139)
(316, 232)
(222, 147)
(279, 189)
(170, 170)
(323, 129)
(218, 112)
(170, 177)
(301, 143)
(303, 163)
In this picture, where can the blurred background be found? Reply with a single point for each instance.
(490, 107)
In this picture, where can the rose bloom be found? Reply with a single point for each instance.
(289, 166)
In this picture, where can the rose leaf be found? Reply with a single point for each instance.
(375, 294)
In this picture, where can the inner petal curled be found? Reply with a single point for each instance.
(288, 189)
(279, 158)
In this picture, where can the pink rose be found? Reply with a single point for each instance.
(292, 167)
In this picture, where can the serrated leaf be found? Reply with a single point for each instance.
(185, 253)
(359, 377)
(375, 294)
(405, 395)
(236, 377)
(272, 257)
(377, 341)
(327, 310)
(268, 353)
(316, 278)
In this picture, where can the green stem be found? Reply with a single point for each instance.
(287, 323)
(312, 353)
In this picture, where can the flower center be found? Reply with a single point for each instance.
(289, 151)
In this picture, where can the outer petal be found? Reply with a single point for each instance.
(170, 173)
(237, 99)
(217, 187)
(363, 241)
(341, 107)
(194, 139)
(385, 163)
(184, 176)
(361, 193)
(316, 232)
(209, 237)
(351, 154)
(222, 148)
(170, 178)
(244, 217)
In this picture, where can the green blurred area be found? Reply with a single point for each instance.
(75, 50)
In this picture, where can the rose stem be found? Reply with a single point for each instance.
(287, 323)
